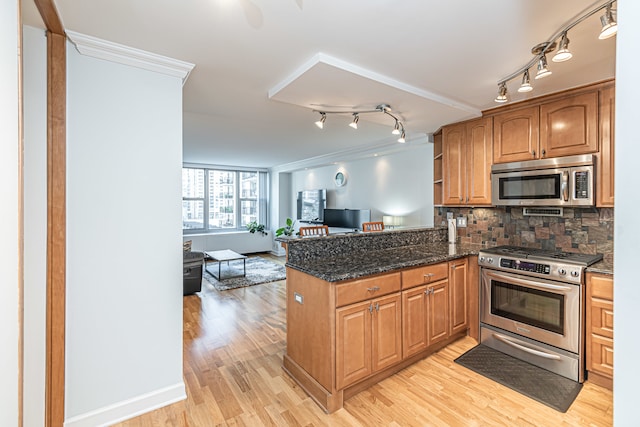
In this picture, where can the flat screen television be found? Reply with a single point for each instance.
(346, 218)
(311, 204)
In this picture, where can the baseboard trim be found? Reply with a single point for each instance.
(129, 408)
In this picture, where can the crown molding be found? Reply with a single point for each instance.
(114, 52)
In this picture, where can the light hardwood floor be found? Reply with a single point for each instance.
(233, 347)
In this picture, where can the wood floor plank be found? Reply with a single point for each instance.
(234, 342)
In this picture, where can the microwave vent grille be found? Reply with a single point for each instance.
(542, 211)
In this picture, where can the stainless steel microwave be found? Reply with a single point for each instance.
(561, 181)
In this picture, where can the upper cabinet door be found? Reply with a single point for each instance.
(569, 126)
(515, 135)
(479, 155)
(453, 164)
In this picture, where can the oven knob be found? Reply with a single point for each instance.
(562, 271)
(575, 273)
(490, 260)
(481, 259)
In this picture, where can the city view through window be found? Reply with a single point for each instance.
(214, 200)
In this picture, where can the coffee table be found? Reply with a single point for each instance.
(224, 255)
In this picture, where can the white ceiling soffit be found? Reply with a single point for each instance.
(114, 52)
(330, 84)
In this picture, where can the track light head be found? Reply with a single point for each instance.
(563, 53)
(543, 70)
(396, 129)
(401, 139)
(609, 24)
(502, 93)
(320, 123)
(354, 123)
(526, 83)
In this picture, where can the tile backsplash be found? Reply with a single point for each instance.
(587, 230)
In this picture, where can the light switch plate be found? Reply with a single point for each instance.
(449, 215)
(461, 221)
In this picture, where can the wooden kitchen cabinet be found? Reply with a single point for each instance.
(466, 162)
(459, 295)
(368, 338)
(516, 135)
(425, 317)
(605, 158)
(599, 329)
(569, 126)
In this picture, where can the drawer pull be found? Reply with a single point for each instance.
(375, 288)
(428, 276)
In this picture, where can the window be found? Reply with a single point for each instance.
(222, 200)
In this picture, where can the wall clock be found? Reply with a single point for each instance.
(340, 179)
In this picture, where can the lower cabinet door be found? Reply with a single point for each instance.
(438, 312)
(387, 332)
(353, 343)
(414, 321)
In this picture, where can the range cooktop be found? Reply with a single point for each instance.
(541, 254)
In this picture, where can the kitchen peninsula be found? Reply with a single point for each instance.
(361, 307)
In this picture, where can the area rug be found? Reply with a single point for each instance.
(259, 270)
(539, 384)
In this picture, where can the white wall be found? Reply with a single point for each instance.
(399, 183)
(9, 250)
(35, 222)
(626, 286)
(124, 237)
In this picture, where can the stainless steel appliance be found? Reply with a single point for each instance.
(560, 181)
(532, 306)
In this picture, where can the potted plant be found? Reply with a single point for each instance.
(253, 226)
(287, 230)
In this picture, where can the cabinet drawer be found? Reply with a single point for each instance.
(600, 287)
(360, 290)
(424, 275)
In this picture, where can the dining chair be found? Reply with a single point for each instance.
(372, 226)
(316, 230)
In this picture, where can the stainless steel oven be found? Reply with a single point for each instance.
(532, 306)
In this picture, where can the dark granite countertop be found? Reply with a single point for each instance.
(604, 267)
(361, 264)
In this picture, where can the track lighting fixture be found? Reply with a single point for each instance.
(354, 123)
(540, 51)
(382, 108)
(502, 93)
(563, 53)
(609, 24)
(320, 123)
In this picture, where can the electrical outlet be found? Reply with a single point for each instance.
(449, 215)
(461, 221)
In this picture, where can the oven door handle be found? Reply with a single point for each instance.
(526, 349)
(528, 282)
(565, 186)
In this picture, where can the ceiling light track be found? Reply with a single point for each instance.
(398, 128)
(561, 40)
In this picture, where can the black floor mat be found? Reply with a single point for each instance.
(544, 386)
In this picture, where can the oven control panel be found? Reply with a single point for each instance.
(533, 267)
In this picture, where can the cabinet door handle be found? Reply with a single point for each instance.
(453, 266)
(377, 307)
(544, 151)
(460, 198)
(375, 288)
(534, 153)
(371, 308)
(467, 198)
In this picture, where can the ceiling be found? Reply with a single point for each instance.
(262, 66)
